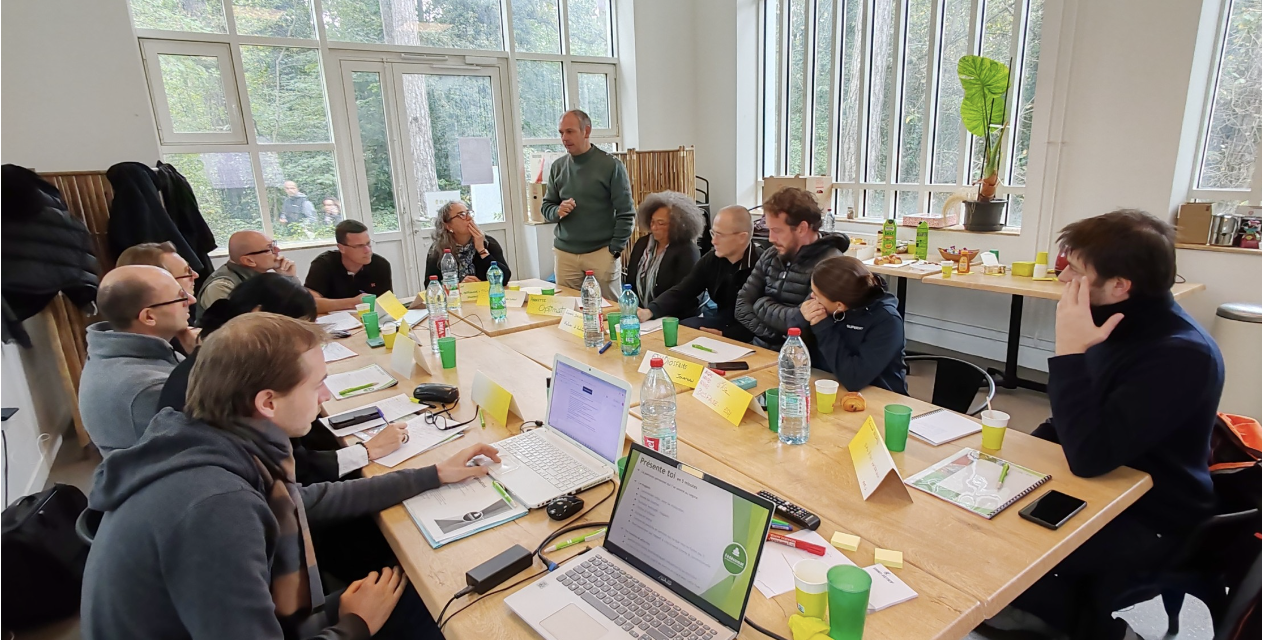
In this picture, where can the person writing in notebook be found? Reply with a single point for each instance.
(1135, 383)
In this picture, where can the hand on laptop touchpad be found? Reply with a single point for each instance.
(479, 461)
(572, 623)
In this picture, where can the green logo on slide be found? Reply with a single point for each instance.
(735, 558)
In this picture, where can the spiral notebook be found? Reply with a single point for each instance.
(972, 479)
(941, 426)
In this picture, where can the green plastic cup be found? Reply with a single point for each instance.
(371, 325)
(447, 352)
(549, 292)
(848, 590)
(370, 300)
(897, 422)
(670, 331)
(773, 409)
(613, 318)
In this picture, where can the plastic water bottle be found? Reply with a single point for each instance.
(629, 326)
(829, 222)
(496, 292)
(451, 279)
(657, 408)
(436, 302)
(593, 336)
(795, 389)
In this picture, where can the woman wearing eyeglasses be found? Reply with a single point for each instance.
(474, 251)
(661, 259)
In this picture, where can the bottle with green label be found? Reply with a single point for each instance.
(922, 240)
(889, 238)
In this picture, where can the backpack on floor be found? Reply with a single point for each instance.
(1235, 460)
(43, 558)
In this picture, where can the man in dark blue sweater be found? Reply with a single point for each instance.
(1135, 382)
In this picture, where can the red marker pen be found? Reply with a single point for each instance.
(795, 543)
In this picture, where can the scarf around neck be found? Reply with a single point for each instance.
(646, 277)
(296, 586)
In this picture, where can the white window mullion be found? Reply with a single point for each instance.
(895, 117)
(965, 165)
(862, 67)
(929, 131)
(808, 86)
(1012, 102)
(782, 119)
(834, 91)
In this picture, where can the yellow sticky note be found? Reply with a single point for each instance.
(391, 305)
(545, 306)
(682, 372)
(572, 322)
(891, 559)
(494, 399)
(845, 541)
(473, 291)
(725, 398)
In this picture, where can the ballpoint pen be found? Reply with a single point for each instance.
(499, 488)
(1002, 475)
(706, 349)
(575, 540)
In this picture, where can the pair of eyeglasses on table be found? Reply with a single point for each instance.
(442, 419)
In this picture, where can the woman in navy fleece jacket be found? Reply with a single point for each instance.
(858, 331)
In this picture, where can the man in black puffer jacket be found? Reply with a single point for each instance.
(768, 303)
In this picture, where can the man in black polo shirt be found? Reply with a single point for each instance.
(338, 279)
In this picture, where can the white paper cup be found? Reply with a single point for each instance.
(992, 418)
(826, 386)
(810, 577)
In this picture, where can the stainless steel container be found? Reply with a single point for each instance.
(1222, 229)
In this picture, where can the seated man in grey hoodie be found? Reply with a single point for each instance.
(205, 530)
(130, 354)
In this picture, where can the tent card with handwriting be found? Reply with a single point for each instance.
(681, 372)
(495, 400)
(515, 299)
(572, 322)
(727, 399)
(872, 461)
(388, 306)
(547, 306)
(469, 291)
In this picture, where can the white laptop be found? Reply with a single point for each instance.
(678, 561)
(579, 444)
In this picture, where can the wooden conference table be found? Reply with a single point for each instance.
(517, 319)
(903, 275)
(963, 567)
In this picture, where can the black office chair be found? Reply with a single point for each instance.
(1243, 619)
(955, 384)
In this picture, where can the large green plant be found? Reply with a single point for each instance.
(983, 111)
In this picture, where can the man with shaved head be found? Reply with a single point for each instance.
(721, 273)
(130, 354)
(249, 254)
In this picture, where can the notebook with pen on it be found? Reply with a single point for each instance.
(941, 426)
(979, 482)
(455, 511)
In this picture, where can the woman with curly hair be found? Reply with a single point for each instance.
(662, 258)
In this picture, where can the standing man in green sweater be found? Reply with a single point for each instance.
(589, 197)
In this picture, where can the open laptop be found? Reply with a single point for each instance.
(678, 561)
(579, 444)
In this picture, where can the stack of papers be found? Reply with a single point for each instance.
(650, 326)
(942, 426)
(887, 589)
(334, 351)
(339, 321)
(392, 409)
(712, 350)
(775, 572)
(456, 511)
(358, 382)
(422, 437)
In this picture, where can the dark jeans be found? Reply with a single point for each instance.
(410, 620)
(346, 551)
(1078, 596)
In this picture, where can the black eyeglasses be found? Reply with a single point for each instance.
(271, 248)
(183, 298)
(443, 421)
(466, 214)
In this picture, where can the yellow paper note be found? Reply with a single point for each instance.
(484, 298)
(495, 400)
(470, 291)
(572, 322)
(681, 372)
(872, 461)
(725, 398)
(545, 306)
(845, 541)
(391, 305)
(889, 558)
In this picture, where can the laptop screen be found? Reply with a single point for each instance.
(698, 536)
(588, 409)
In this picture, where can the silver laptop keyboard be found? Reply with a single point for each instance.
(557, 467)
(631, 604)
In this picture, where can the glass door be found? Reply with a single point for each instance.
(453, 148)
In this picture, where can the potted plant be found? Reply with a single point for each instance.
(984, 112)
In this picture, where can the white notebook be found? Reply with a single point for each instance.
(941, 426)
(887, 590)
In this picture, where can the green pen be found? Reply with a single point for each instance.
(780, 522)
(499, 488)
(706, 349)
(1003, 474)
(359, 388)
(576, 540)
(482, 417)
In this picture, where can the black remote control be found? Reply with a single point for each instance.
(791, 512)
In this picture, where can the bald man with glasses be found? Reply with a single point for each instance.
(249, 254)
(130, 354)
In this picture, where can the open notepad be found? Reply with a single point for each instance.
(941, 426)
(979, 482)
(358, 382)
(455, 511)
(711, 350)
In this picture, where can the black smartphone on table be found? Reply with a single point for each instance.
(1052, 509)
(729, 366)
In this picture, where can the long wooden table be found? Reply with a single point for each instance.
(903, 274)
(543, 343)
(941, 612)
(1019, 288)
(992, 561)
(517, 319)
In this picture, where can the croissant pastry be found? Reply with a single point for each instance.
(853, 401)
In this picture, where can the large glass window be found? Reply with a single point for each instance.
(867, 92)
(1228, 172)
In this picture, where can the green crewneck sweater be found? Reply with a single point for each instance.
(603, 214)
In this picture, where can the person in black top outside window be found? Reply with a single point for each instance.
(338, 279)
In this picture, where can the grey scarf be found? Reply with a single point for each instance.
(647, 271)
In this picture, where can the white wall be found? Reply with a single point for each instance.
(73, 98)
(666, 73)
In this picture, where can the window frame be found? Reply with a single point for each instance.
(152, 50)
(1252, 196)
(856, 184)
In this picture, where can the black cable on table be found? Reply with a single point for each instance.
(503, 589)
(759, 628)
